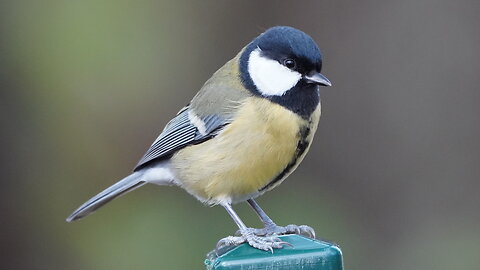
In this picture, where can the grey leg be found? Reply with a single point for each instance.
(248, 235)
(267, 221)
(234, 216)
(273, 229)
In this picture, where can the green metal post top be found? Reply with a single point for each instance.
(306, 254)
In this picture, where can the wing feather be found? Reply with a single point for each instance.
(179, 133)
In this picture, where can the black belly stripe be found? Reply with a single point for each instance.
(301, 147)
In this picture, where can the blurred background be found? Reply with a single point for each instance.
(86, 86)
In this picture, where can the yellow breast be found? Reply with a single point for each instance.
(250, 152)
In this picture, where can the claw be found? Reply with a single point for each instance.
(267, 243)
(278, 230)
(228, 242)
(304, 229)
(285, 243)
(264, 239)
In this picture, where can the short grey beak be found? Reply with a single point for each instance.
(317, 78)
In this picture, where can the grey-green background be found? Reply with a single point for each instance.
(393, 175)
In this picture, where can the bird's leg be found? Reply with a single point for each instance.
(273, 229)
(247, 235)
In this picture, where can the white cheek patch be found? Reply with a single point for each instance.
(269, 76)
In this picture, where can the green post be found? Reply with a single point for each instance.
(306, 254)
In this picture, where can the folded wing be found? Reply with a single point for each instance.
(183, 130)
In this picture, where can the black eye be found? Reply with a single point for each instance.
(289, 63)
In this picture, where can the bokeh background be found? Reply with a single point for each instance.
(86, 86)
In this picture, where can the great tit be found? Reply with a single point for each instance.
(243, 133)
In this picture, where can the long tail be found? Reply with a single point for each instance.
(129, 183)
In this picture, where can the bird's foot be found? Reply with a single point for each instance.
(274, 229)
(267, 243)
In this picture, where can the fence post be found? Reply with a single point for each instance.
(306, 254)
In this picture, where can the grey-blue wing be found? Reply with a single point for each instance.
(181, 132)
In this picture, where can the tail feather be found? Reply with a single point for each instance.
(123, 186)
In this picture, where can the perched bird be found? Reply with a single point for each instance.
(243, 133)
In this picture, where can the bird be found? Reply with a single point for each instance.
(247, 129)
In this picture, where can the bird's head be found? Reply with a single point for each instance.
(283, 64)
